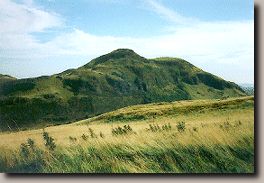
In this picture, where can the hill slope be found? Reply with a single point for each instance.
(192, 136)
(4, 78)
(120, 78)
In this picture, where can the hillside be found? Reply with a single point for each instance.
(248, 88)
(177, 108)
(118, 79)
(191, 136)
(4, 78)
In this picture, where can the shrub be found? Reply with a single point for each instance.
(102, 135)
(128, 128)
(27, 148)
(92, 134)
(122, 131)
(166, 127)
(181, 126)
(24, 150)
(72, 139)
(154, 128)
(84, 137)
(195, 129)
(31, 143)
(157, 128)
(49, 141)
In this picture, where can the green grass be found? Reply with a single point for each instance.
(146, 111)
(123, 158)
(115, 80)
(200, 136)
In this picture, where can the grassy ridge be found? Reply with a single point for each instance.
(200, 136)
(146, 111)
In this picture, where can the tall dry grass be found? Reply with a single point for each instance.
(216, 140)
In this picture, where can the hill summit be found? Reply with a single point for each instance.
(119, 54)
(115, 80)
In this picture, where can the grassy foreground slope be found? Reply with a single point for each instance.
(199, 136)
(112, 81)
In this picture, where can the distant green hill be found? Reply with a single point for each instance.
(4, 78)
(120, 78)
(248, 88)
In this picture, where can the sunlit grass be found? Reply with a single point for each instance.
(215, 139)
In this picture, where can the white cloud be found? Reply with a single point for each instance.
(223, 48)
(167, 13)
(25, 18)
(209, 40)
(17, 21)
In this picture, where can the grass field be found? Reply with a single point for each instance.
(198, 136)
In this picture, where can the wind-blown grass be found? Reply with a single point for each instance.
(217, 140)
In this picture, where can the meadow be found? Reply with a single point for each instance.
(191, 136)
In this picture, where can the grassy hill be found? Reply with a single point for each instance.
(115, 80)
(5, 78)
(248, 88)
(190, 136)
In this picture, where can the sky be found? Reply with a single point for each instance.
(44, 37)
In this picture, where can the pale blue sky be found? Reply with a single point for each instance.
(43, 37)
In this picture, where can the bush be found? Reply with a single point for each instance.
(27, 148)
(24, 150)
(49, 141)
(122, 131)
(181, 126)
(128, 128)
(102, 135)
(84, 137)
(31, 143)
(195, 129)
(166, 127)
(156, 127)
(92, 134)
(72, 139)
